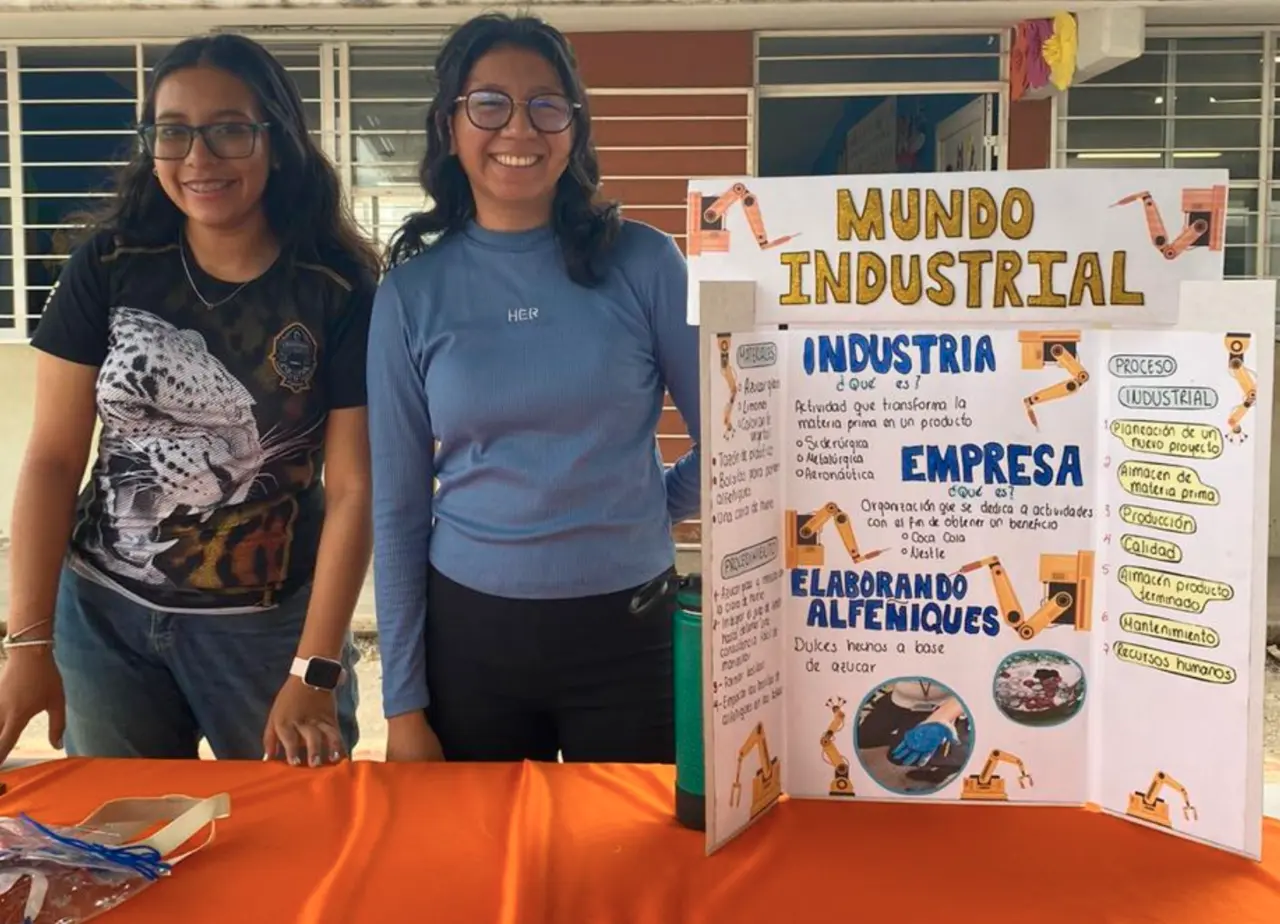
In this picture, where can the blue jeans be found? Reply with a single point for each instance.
(143, 683)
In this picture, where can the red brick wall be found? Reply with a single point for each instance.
(651, 142)
(1030, 134)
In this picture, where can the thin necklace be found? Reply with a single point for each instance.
(182, 252)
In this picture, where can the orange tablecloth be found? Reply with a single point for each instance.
(572, 844)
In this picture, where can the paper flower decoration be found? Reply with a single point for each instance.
(1059, 50)
(1018, 63)
(1038, 32)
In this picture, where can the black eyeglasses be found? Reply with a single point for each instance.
(226, 140)
(491, 110)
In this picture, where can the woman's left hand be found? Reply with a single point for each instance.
(304, 722)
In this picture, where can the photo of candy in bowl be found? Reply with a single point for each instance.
(1039, 688)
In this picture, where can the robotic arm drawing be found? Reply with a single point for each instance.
(803, 548)
(987, 785)
(766, 787)
(841, 785)
(1068, 587)
(1148, 806)
(1205, 221)
(1057, 347)
(705, 222)
(1237, 346)
(726, 370)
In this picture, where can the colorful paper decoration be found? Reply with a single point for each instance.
(1059, 50)
(1044, 52)
(1018, 62)
(1038, 31)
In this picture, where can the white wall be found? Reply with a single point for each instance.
(17, 397)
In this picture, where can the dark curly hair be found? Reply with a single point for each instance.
(303, 200)
(584, 223)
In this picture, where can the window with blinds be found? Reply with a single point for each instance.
(73, 116)
(76, 108)
(1190, 102)
(8, 314)
(390, 88)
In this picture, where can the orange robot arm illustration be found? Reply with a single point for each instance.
(766, 787)
(726, 370)
(1205, 212)
(1237, 346)
(1053, 346)
(1068, 586)
(803, 550)
(986, 785)
(1148, 806)
(841, 785)
(706, 228)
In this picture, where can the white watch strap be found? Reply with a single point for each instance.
(299, 669)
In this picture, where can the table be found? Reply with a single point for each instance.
(582, 844)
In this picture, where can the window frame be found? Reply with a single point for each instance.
(1265, 253)
(332, 51)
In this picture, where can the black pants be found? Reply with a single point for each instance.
(527, 679)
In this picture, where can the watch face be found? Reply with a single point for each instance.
(323, 673)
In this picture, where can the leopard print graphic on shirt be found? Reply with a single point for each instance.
(179, 436)
(207, 489)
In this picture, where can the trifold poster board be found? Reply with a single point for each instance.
(985, 467)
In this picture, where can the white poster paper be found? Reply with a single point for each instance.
(1019, 247)
(1175, 744)
(742, 614)
(945, 604)
(998, 562)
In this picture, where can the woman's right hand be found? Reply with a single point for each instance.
(410, 738)
(30, 684)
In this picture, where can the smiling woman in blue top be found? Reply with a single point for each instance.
(520, 348)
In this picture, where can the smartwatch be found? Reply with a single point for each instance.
(319, 673)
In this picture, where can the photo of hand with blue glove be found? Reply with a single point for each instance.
(913, 735)
(919, 744)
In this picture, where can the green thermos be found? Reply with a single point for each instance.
(687, 667)
(691, 802)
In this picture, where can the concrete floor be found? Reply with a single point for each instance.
(34, 743)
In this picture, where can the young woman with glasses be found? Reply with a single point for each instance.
(519, 352)
(215, 322)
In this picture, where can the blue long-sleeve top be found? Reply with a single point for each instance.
(534, 401)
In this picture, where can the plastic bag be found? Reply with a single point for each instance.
(69, 875)
(56, 876)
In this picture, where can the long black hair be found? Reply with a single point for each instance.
(584, 223)
(303, 200)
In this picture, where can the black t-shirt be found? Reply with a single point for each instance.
(206, 491)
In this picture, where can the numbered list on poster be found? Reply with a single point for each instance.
(1179, 471)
